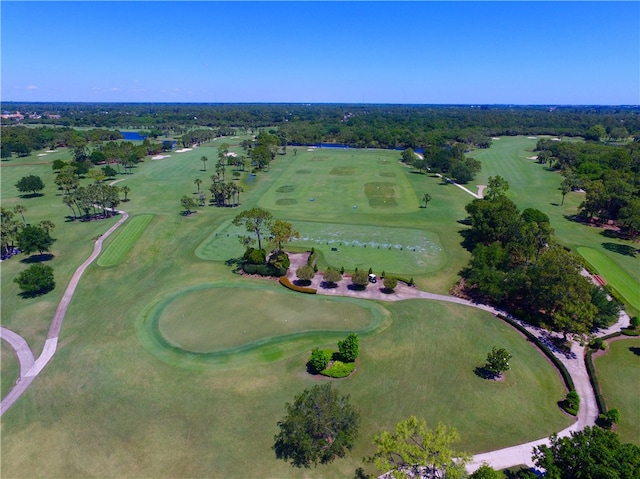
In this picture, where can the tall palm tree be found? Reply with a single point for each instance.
(197, 182)
(68, 200)
(126, 190)
(204, 160)
(21, 210)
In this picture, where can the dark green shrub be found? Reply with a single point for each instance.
(635, 322)
(319, 360)
(597, 343)
(280, 260)
(265, 270)
(255, 256)
(390, 282)
(349, 348)
(250, 268)
(360, 279)
(631, 332)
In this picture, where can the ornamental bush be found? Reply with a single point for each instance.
(36, 280)
(349, 348)
(319, 359)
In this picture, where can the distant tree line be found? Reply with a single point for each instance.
(609, 173)
(360, 125)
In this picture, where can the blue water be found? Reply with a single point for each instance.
(132, 136)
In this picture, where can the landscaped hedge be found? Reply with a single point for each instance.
(566, 377)
(284, 281)
(593, 378)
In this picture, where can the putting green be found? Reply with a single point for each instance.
(219, 326)
(617, 278)
(399, 250)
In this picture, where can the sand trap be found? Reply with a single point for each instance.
(183, 150)
(231, 153)
(160, 157)
(42, 154)
(51, 151)
(495, 138)
(555, 139)
(532, 137)
(532, 157)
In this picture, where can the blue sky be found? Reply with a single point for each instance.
(372, 52)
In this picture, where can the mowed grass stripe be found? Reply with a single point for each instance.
(617, 278)
(123, 243)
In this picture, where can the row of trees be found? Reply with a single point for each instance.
(516, 264)
(449, 160)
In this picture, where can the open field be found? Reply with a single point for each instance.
(619, 376)
(117, 401)
(10, 367)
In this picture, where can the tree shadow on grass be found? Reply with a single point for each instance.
(31, 195)
(484, 373)
(623, 249)
(34, 294)
(635, 350)
(37, 258)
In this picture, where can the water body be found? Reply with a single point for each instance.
(132, 136)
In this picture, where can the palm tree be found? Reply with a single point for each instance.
(204, 160)
(21, 210)
(68, 200)
(126, 190)
(426, 198)
(47, 225)
(197, 182)
(238, 191)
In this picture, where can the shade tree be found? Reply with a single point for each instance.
(35, 280)
(31, 183)
(320, 425)
(414, 450)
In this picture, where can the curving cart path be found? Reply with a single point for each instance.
(499, 459)
(29, 368)
(574, 362)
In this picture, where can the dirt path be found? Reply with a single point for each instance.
(29, 368)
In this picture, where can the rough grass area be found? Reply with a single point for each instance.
(619, 375)
(617, 278)
(124, 241)
(9, 368)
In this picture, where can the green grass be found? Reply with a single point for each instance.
(124, 241)
(10, 368)
(616, 277)
(533, 186)
(619, 375)
(117, 402)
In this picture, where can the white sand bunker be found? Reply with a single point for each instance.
(182, 150)
(495, 138)
(51, 151)
(42, 154)
(532, 157)
(232, 154)
(160, 157)
(532, 137)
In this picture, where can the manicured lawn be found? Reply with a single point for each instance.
(533, 186)
(617, 278)
(124, 240)
(619, 376)
(10, 368)
(116, 402)
(107, 407)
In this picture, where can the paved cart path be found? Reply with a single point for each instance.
(29, 368)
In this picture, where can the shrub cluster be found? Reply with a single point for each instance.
(339, 369)
(335, 364)
(284, 281)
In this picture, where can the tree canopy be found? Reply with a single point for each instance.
(35, 280)
(256, 221)
(591, 453)
(320, 425)
(31, 183)
(414, 450)
(34, 238)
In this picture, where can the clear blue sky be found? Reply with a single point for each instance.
(372, 52)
